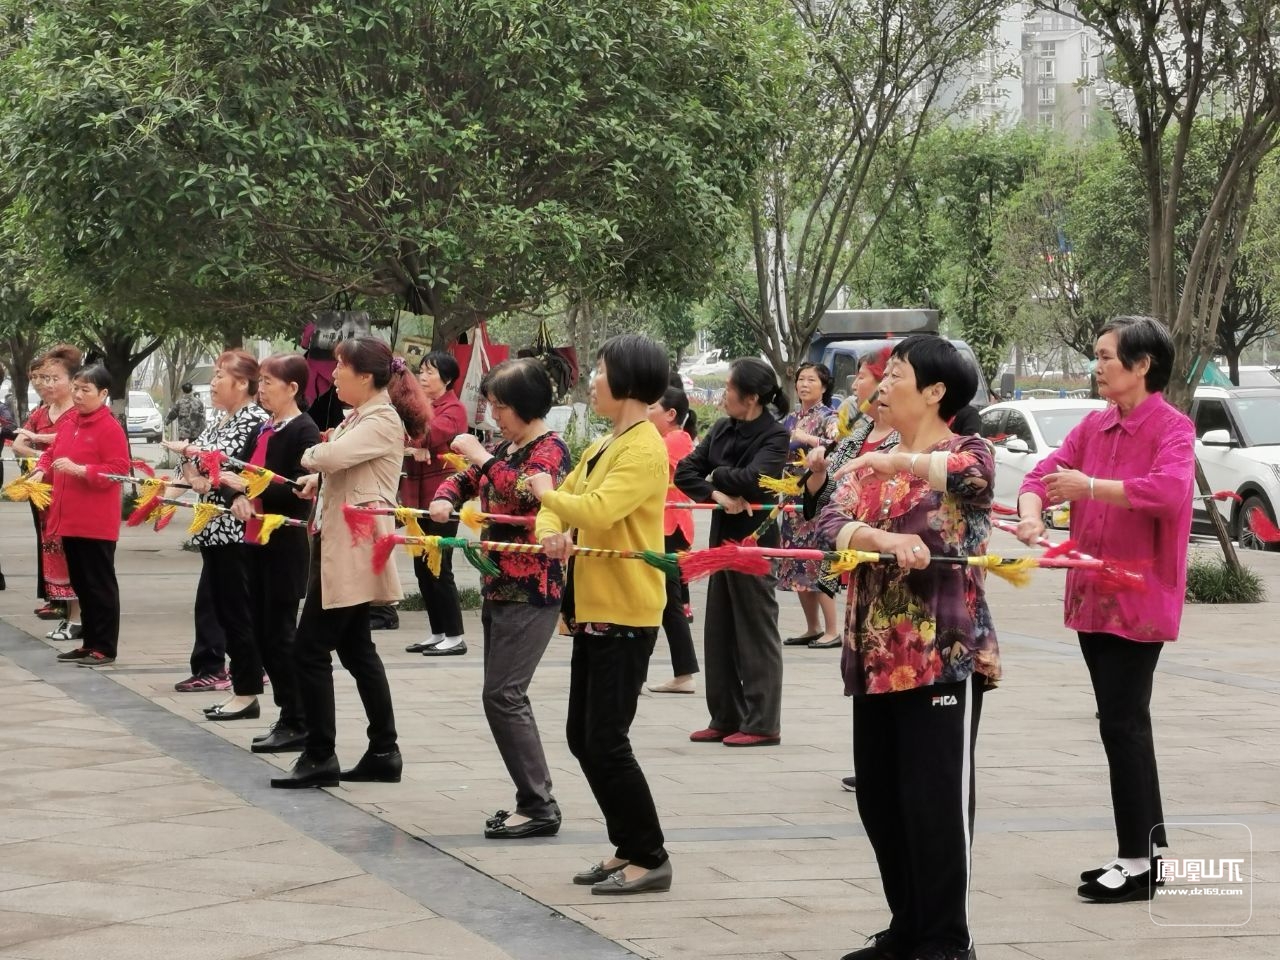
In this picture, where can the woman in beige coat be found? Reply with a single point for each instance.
(359, 464)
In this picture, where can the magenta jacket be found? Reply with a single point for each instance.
(1153, 451)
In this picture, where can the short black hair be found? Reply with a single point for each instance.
(186, 388)
(95, 374)
(1138, 337)
(523, 385)
(752, 377)
(637, 368)
(445, 365)
(936, 360)
(824, 377)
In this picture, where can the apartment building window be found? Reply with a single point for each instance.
(1046, 119)
(1049, 48)
(1048, 96)
(1046, 70)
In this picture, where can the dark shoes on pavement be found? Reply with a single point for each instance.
(1139, 886)
(280, 739)
(883, 946)
(309, 772)
(376, 768)
(656, 880)
(497, 828)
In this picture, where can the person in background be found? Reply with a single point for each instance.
(51, 374)
(920, 646)
(740, 644)
(277, 570)
(85, 511)
(359, 465)
(614, 499)
(810, 427)
(678, 426)
(425, 470)
(223, 624)
(522, 601)
(1128, 472)
(189, 412)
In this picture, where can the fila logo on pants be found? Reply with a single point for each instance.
(947, 700)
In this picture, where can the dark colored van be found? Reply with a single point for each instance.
(844, 337)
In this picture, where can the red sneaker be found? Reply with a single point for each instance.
(752, 740)
(709, 735)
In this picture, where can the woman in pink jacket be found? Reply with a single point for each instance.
(85, 511)
(1127, 471)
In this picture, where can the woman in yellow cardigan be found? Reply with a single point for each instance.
(614, 498)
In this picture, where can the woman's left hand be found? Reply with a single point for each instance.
(558, 546)
(908, 550)
(882, 464)
(176, 446)
(307, 486)
(1065, 485)
(241, 509)
(233, 481)
(68, 466)
(540, 484)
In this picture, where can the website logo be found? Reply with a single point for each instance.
(1205, 878)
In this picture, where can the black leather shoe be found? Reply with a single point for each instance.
(1096, 872)
(1141, 886)
(419, 647)
(828, 645)
(537, 827)
(281, 739)
(880, 946)
(595, 873)
(803, 640)
(252, 712)
(436, 650)
(376, 768)
(307, 772)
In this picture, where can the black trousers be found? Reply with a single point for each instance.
(209, 652)
(605, 675)
(91, 564)
(1122, 672)
(224, 588)
(440, 593)
(274, 608)
(743, 654)
(41, 592)
(346, 631)
(913, 757)
(684, 659)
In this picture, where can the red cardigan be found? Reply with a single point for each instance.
(88, 507)
(421, 478)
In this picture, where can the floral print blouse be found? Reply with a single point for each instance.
(233, 435)
(525, 577)
(909, 629)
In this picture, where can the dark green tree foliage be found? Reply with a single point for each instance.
(466, 157)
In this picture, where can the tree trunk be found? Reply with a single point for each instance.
(1233, 365)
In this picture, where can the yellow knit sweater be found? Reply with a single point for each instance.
(618, 507)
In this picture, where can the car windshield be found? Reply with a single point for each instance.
(1260, 419)
(141, 400)
(1056, 424)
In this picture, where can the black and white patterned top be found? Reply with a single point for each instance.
(233, 435)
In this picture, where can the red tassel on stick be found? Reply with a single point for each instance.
(142, 467)
(383, 548)
(1262, 527)
(727, 556)
(140, 515)
(166, 514)
(362, 524)
(1064, 549)
(211, 463)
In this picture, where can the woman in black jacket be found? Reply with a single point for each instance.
(742, 650)
(278, 568)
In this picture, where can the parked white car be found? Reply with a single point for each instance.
(1024, 433)
(144, 417)
(1238, 445)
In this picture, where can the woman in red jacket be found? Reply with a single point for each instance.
(85, 511)
(424, 471)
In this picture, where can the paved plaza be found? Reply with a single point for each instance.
(134, 828)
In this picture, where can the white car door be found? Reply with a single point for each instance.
(1210, 413)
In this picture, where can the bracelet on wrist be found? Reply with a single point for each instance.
(1091, 479)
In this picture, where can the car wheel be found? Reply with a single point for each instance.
(1245, 536)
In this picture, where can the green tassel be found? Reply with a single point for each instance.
(480, 560)
(666, 562)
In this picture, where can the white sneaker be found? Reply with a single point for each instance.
(56, 632)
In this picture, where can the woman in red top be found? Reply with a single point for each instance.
(51, 374)
(85, 511)
(424, 471)
(679, 428)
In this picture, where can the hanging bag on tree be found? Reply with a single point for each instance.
(561, 362)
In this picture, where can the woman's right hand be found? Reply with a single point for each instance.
(176, 446)
(241, 509)
(558, 546)
(307, 486)
(439, 511)
(732, 505)
(817, 460)
(201, 485)
(908, 550)
(1030, 530)
(36, 476)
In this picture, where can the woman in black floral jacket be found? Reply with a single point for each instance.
(223, 624)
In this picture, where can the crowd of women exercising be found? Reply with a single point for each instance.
(918, 644)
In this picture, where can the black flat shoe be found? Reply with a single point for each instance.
(419, 647)
(281, 740)
(537, 827)
(307, 772)
(829, 645)
(376, 768)
(803, 640)
(595, 873)
(498, 818)
(1135, 887)
(1096, 872)
(457, 650)
(252, 712)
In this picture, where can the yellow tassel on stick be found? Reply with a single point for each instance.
(255, 482)
(849, 560)
(1017, 572)
(271, 522)
(148, 489)
(471, 516)
(454, 461)
(412, 528)
(203, 513)
(783, 486)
